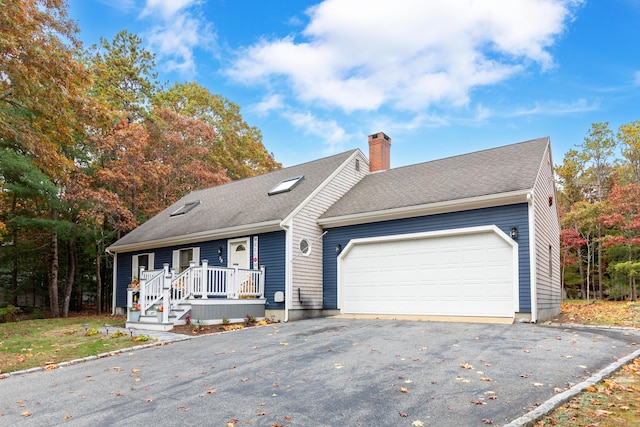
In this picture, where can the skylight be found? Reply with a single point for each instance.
(286, 185)
(185, 208)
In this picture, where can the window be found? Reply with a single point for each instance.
(141, 260)
(185, 208)
(186, 255)
(305, 247)
(286, 185)
(182, 258)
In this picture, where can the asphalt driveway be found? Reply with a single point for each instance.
(322, 372)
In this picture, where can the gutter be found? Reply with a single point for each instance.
(113, 280)
(288, 279)
(532, 258)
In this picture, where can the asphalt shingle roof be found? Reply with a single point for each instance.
(493, 171)
(237, 203)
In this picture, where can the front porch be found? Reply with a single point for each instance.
(200, 294)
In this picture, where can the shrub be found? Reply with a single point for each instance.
(9, 314)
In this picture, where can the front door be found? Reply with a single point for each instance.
(239, 253)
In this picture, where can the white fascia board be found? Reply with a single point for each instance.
(223, 233)
(427, 209)
(314, 193)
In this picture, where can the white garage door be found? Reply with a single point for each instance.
(470, 272)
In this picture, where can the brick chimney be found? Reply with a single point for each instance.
(379, 152)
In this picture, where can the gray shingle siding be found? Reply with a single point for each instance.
(504, 217)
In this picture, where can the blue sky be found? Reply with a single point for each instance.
(440, 77)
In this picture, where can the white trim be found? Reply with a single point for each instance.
(320, 187)
(288, 269)
(114, 281)
(427, 209)
(432, 234)
(533, 265)
(258, 228)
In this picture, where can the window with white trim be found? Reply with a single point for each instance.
(140, 260)
(183, 257)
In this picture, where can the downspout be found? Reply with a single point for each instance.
(288, 279)
(532, 258)
(113, 280)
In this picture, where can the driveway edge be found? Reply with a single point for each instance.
(529, 419)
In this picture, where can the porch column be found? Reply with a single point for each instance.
(165, 306)
(143, 296)
(205, 278)
(192, 278)
(129, 303)
(261, 281)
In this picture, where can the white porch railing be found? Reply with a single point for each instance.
(166, 288)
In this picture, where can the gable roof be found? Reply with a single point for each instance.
(234, 208)
(509, 170)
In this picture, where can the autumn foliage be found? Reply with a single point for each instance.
(91, 146)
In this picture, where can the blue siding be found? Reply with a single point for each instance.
(504, 217)
(123, 278)
(271, 254)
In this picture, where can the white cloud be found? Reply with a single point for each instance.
(268, 104)
(409, 53)
(333, 136)
(178, 32)
(554, 108)
(166, 8)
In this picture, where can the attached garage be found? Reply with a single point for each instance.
(464, 272)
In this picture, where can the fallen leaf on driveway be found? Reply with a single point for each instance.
(232, 423)
(26, 414)
(404, 389)
(538, 385)
(558, 390)
(487, 421)
(417, 423)
(466, 366)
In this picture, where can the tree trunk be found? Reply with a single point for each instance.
(600, 273)
(71, 272)
(53, 277)
(14, 269)
(583, 288)
(98, 279)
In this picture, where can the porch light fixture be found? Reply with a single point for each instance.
(220, 254)
(514, 233)
(338, 249)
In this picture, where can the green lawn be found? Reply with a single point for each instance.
(46, 342)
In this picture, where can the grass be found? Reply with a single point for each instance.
(614, 402)
(47, 342)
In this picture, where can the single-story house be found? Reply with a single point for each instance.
(474, 236)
